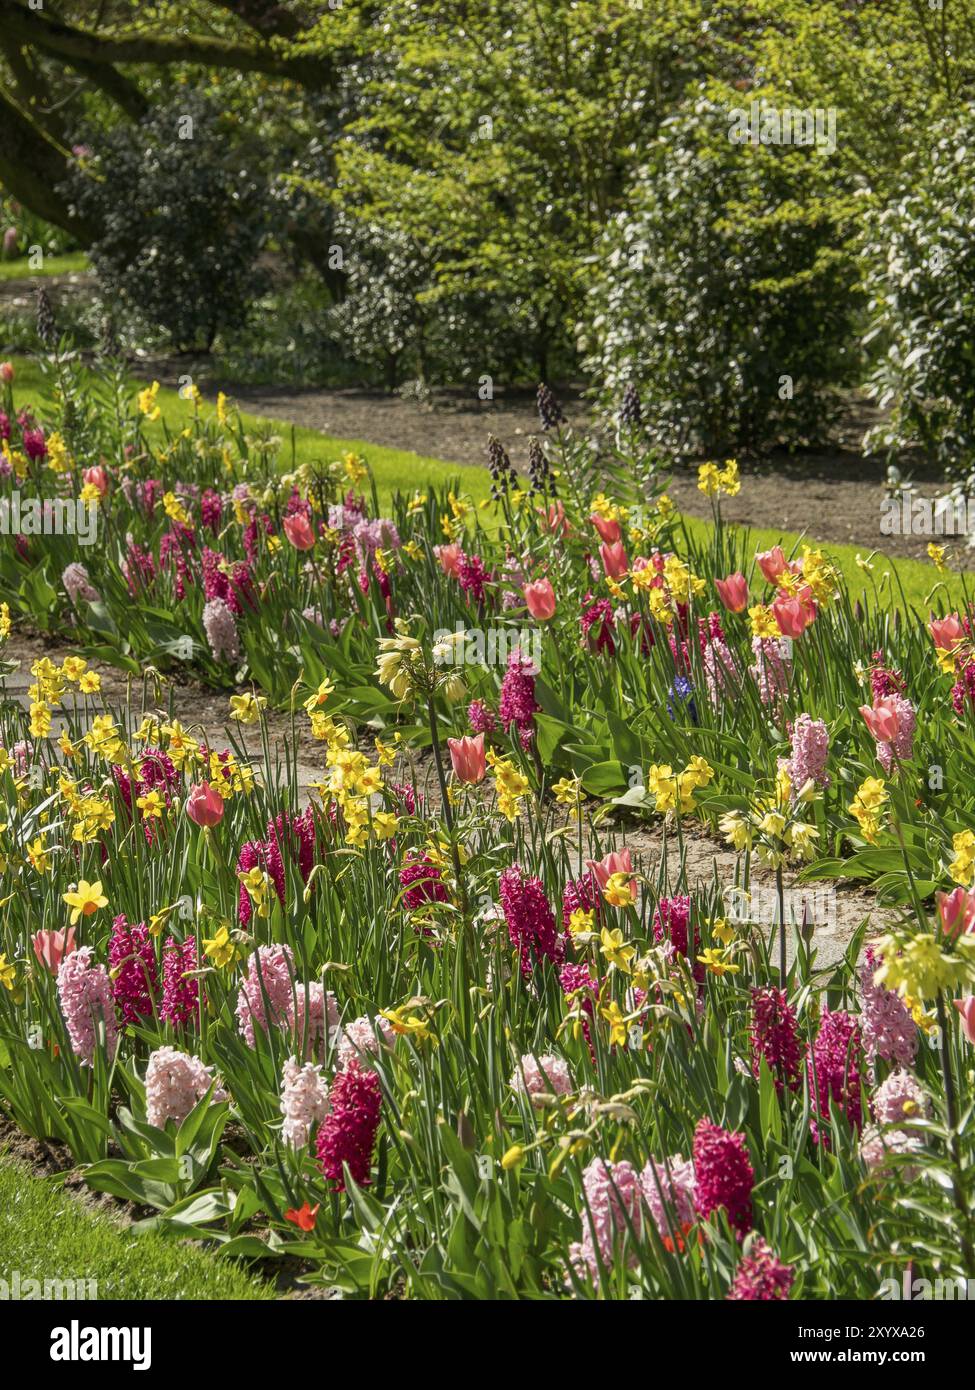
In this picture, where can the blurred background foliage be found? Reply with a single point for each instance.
(416, 194)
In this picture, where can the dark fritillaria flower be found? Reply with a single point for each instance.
(549, 411)
(539, 469)
(631, 411)
(499, 464)
(47, 328)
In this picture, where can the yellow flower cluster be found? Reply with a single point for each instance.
(510, 785)
(917, 967)
(962, 867)
(675, 791)
(713, 481)
(866, 807)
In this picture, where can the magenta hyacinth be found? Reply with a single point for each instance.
(135, 976)
(421, 878)
(530, 919)
(348, 1132)
(671, 923)
(834, 1070)
(181, 992)
(723, 1175)
(761, 1276)
(85, 992)
(775, 1037)
(518, 705)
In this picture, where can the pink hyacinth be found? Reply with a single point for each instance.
(614, 1201)
(761, 1277)
(834, 1071)
(266, 998)
(181, 993)
(530, 919)
(85, 993)
(580, 895)
(78, 586)
(772, 670)
(720, 671)
(723, 1175)
(901, 747)
(810, 749)
(135, 977)
(175, 1082)
(315, 1017)
(360, 1036)
(545, 1075)
(887, 1027)
(348, 1133)
(221, 630)
(900, 1099)
(668, 1190)
(774, 1036)
(878, 1146)
(304, 1101)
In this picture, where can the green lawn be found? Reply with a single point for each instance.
(910, 583)
(70, 263)
(45, 1234)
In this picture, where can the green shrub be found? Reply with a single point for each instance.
(920, 279)
(183, 212)
(726, 285)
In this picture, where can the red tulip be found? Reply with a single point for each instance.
(733, 592)
(540, 598)
(51, 947)
(450, 557)
(614, 559)
(299, 531)
(793, 615)
(966, 1007)
(97, 478)
(553, 519)
(204, 805)
(956, 911)
(883, 720)
(304, 1217)
(947, 632)
(617, 862)
(772, 563)
(467, 758)
(609, 531)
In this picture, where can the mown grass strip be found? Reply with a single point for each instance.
(911, 583)
(47, 1235)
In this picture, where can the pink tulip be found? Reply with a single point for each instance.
(614, 559)
(6, 373)
(617, 862)
(553, 519)
(883, 720)
(956, 911)
(772, 563)
(966, 1007)
(51, 947)
(733, 592)
(947, 632)
(540, 598)
(609, 531)
(299, 531)
(793, 615)
(449, 557)
(97, 478)
(204, 805)
(467, 757)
